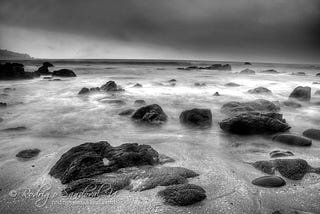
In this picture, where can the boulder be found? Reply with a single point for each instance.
(317, 93)
(293, 169)
(254, 123)
(140, 102)
(232, 84)
(84, 91)
(312, 134)
(269, 181)
(278, 154)
(28, 154)
(270, 71)
(301, 93)
(196, 117)
(259, 105)
(247, 71)
(64, 73)
(182, 194)
(43, 70)
(216, 94)
(152, 114)
(111, 86)
(14, 71)
(260, 90)
(292, 140)
(126, 112)
(137, 85)
(88, 160)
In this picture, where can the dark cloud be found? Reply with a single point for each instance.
(241, 26)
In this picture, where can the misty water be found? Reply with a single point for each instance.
(57, 118)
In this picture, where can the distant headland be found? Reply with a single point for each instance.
(10, 55)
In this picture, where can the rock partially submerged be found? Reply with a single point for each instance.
(270, 71)
(293, 169)
(232, 84)
(301, 93)
(111, 86)
(183, 194)
(14, 71)
(200, 84)
(269, 181)
(292, 140)
(28, 154)
(278, 154)
(18, 128)
(152, 114)
(318, 75)
(317, 93)
(247, 63)
(140, 102)
(196, 117)
(216, 94)
(247, 71)
(260, 90)
(220, 67)
(44, 69)
(259, 105)
(137, 85)
(299, 73)
(254, 123)
(64, 73)
(312, 134)
(126, 112)
(292, 104)
(3, 105)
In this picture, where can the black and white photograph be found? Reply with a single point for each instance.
(160, 106)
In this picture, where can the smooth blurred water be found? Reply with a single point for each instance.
(57, 119)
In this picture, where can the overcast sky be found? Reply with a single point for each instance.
(248, 30)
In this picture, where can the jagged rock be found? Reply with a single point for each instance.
(28, 153)
(183, 194)
(269, 181)
(292, 104)
(137, 85)
(270, 71)
(140, 102)
(151, 114)
(14, 71)
(292, 140)
(317, 93)
(200, 84)
(87, 160)
(232, 84)
(301, 93)
(216, 94)
(247, 71)
(64, 73)
(196, 117)
(111, 86)
(255, 123)
(312, 133)
(260, 90)
(126, 112)
(294, 169)
(278, 154)
(259, 105)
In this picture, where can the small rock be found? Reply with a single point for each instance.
(260, 90)
(28, 153)
(140, 102)
(317, 93)
(199, 84)
(216, 94)
(182, 194)
(300, 73)
(292, 104)
(269, 181)
(292, 140)
(196, 117)
(278, 153)
(3, 105)
(84, 91)
(247, 71)
(270, 71)
(126, 112)
(172, 80)
(232, 84)
(318, 75)
(247, 63)
(64, 73)
(19, 128)
(137, 85)
(111, 86)
(312, 133)
(151, 114)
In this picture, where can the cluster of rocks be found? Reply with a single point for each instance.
(220, 67)
(130, 166)
(109, 86)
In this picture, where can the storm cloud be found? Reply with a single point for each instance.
(270, 29)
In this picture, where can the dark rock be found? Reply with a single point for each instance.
(255, 123)
(200, 84)
(301, 93)
(14, 71)
(270, 71)
(111, 86)
(47, 64)
(292, 140)
(172, 80)
(216, 94)
(95, 89)
(312, 133)
(292, 104)
(260, 105)
(300, 73)
(278, 154)
(3, 105)
(55, 80)
(28, 153)
(117, 102)
(182, 194)
(19, 128)
(150, 114)
(260, 90)
(269, 181)
(196, 117)
(247, 71)
(47, 78)
(219, 67)
(64, 73)
(43, 70)
(140, 102)
(84, 91)
(1, 119)
(87, 160)
(247, 63)
(232, 84)
(126, 112)
(318, 75)
(137, 85)
(316, 83)
(317, 93)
